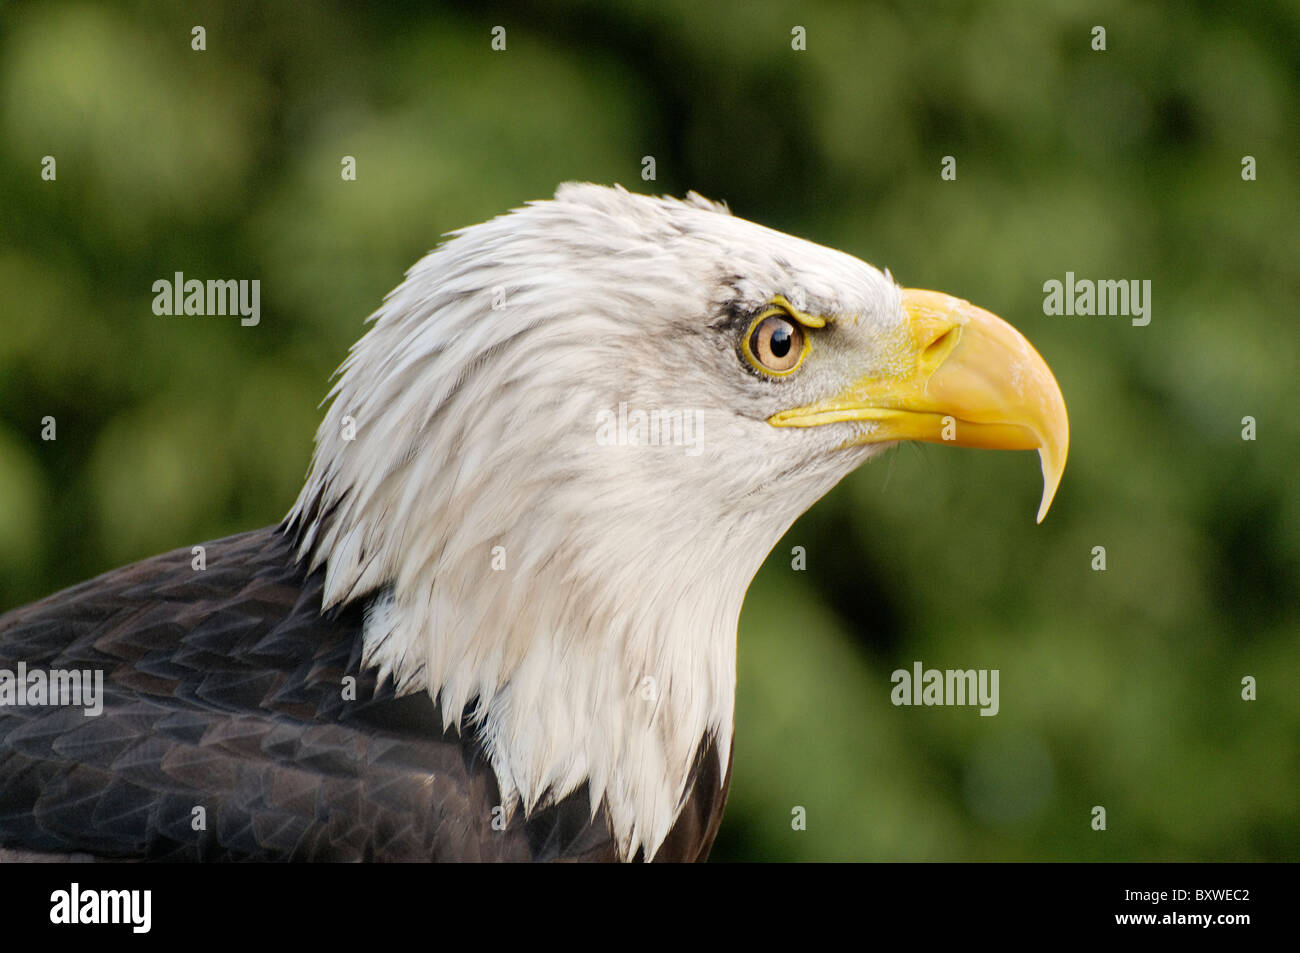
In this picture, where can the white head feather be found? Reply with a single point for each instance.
(604, 651)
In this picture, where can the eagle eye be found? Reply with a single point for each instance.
(775, 344)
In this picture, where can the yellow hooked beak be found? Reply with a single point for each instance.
(959, 375)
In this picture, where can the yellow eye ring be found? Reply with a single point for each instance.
(775, 344)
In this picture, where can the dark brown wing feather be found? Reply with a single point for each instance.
(224, 690)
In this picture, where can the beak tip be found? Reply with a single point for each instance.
(1053, 470)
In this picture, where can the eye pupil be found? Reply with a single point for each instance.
(780, 343)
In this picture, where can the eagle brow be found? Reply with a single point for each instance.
(736, 316)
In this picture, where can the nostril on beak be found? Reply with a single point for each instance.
(940, 345)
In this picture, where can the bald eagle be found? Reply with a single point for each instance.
(499, 623)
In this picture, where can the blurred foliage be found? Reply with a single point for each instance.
(1119, 688)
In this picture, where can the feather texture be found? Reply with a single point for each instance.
(224, 690)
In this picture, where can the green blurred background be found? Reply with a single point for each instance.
(1119, 688)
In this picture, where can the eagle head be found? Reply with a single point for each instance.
(570, 437)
